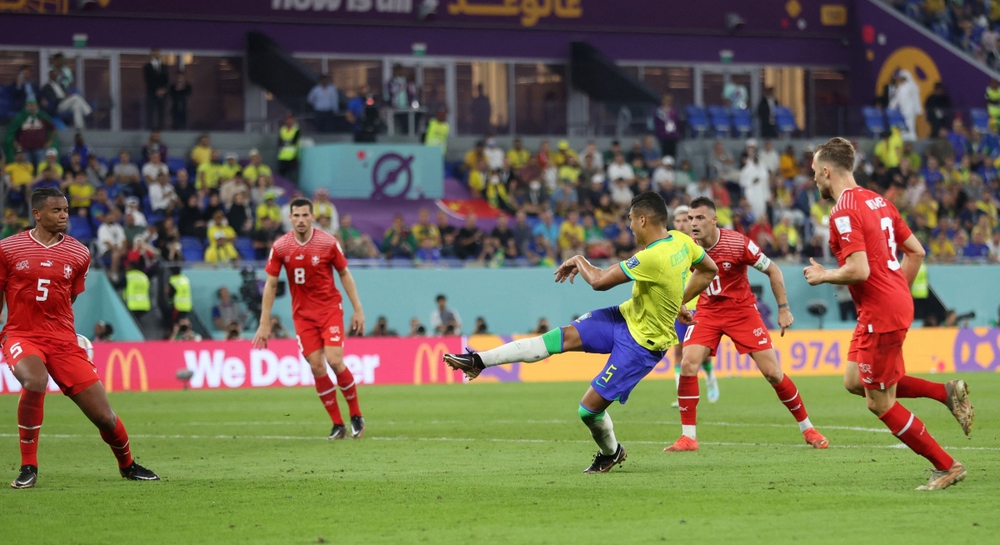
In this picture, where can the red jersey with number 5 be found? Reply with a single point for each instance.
(310, 268)
(39, 283)
(730, 289)
(863, 221)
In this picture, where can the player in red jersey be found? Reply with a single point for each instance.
(309, 257)
(728, 308)
(41, 273)
(865, 235)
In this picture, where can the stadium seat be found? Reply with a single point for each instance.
(896, 119)
(980, 120)
(697, 120)
(785, 120)
(245, 247)
(742, 121)
(873, 120)
(192, 249)
(175, 164)
(6, 103)
(720, 120)
(79, 228)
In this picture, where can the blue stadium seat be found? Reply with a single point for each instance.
(245, 247)
(79, 228)
(742, 121)
(785, 120)
(697, 120)
(175, 164)
(980, 120)
(873, 120)
(896, 119)
(6, 103)
(720, 120)
(192, 249)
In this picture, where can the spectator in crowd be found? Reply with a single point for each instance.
(770, 159)
(268, 209)
(941, 249)
(381, 329)
(438, 130)
(664, 175)
(180, 94)
(201, 153)
(57, 98)
(477, 179)
(620, 170)
(22, 89)
(81, 147)
(766, 114)
(354, 243)
(184, 332)
(398, 240)
(162, 196)
(621, 193)
(533, 199)
(482, 111)
(889, 148)
(907, 100)
(541, 327)
(417, 329)
(493, 153)
(324, 207)
(230, 168)
(277, 329)
(324, 98)
(505, 238)
(103, 332)
(263, 238)
(938, 108)
(425, 233)
(51, 163)
(75, 165)
(220, 240)
(227, 311)
(156, 144)
(111, 242)
(48, 178)
(31, 131)
(481, 328)
(153, 169)
(288, 146)
(125, 173)
(400, 94)
(547, 228)
(240, 215)
(100, 206)
(469, 239)
(540, 251)
(517, 155)
(20, 174)
(571, 236)
(96, 171)
(977, 250)
(666, 123)
(168, 240)
(993, 99)
(79, 193)
(445, 320)
(722, 165)
(624, 245)
(154, 74)
(650, 155)
(256, 168)
(184, 188)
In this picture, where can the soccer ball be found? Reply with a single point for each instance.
(87, 346)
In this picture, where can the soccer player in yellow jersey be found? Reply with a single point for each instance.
(635, 333)
(682, 223)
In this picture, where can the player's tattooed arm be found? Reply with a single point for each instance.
(855, 270)
(704, 272)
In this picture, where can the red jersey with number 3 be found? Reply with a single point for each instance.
(730, 289)
(863, 221)
(309, 267)
(39, 283)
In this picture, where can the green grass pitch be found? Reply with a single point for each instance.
(500, 463)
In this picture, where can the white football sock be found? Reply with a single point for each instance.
(805, 424)
(689, 432)
(527, 350)
(603, 433)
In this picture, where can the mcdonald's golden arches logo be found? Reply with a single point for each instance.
(433, 358)
(125, 361)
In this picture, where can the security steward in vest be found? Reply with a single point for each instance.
(137, 290)
(288, 146)
(179, 290)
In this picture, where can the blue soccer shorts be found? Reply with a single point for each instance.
(604, 331)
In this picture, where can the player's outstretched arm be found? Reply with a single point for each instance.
(913, 257)
(785, 318)
(855, 270)
(599, 279)
(704, 272)
(358, 318)
(266, 304)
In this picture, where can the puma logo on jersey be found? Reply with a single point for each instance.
(300, 257)
(47, 263)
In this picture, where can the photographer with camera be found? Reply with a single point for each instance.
(228, 312)
(184, 332)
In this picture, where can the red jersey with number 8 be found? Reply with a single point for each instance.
(863, 221)
(310, 268)
(39, 283)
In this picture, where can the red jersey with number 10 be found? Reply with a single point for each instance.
(863, 221)
(39, 283)
(730, 289)
(310, 268)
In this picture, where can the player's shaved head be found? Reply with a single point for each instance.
(651, 205)
(836, 152)
(40, 197)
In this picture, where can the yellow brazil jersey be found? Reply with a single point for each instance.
(660, 272)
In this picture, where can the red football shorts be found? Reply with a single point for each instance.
(879, 357)
(65, 361)
(743, 326)
(315, 334)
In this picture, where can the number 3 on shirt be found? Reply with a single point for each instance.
(42, 282)
(890, 236)
(299, 275)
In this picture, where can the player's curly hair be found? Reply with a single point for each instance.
(651, 205)
(42, 194)
(837, 152)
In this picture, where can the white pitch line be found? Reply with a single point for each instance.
(487, 439)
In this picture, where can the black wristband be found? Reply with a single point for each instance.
(783, 305)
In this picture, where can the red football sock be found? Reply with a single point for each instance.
(30, 408)
(117, 439)
(789, 395)
(346, 381)
(328, 395)
(911, 431)
(917, 387)
(687, 400)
